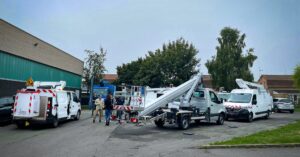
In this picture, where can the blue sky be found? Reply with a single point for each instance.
(129, 29)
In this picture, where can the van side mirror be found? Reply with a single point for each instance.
(221, 100)
(75, 99)
(254, 102)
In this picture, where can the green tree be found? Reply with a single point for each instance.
(126, 72)
(173, 64)
(230, 62)
(296, 76)
(94, 65)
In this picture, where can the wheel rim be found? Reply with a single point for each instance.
(78, 115)
(221, 119)
(185, 123)
(55, 123)
(250, 117)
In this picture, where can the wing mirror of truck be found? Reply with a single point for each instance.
(254, 102)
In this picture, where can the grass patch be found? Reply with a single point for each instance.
(286, 134)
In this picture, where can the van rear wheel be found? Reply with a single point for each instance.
(267, 115)
(54, 122)
(20, 124)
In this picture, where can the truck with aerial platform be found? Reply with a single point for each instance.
(194, 104)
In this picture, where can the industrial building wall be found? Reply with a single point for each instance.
(14, 71)
(15, 41)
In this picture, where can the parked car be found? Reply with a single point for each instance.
(283, 104)
(6, 104)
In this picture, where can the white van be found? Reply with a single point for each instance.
(250, 102)
(45, 102)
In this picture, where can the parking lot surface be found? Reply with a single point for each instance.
(83, 138)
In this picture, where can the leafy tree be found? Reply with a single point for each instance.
(94, 65)
(296, 76)
(173, 64)
(126, 72)
(230, 62)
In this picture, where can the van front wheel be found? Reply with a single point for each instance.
(77, 116)
(220, 120)
(250, 117)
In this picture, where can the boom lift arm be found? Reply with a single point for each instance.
(187, 87)
(247, 85)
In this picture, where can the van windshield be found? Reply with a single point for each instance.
(240, 97)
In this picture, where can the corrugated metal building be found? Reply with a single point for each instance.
(23, 55)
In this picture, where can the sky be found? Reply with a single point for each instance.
(128, 29)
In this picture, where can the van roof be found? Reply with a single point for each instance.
(243, 91)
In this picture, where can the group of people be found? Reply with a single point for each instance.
(100, 105)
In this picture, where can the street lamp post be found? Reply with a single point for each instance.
(91, 93)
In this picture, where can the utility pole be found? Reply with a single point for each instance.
(91, 93)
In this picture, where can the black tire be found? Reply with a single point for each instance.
(250, 117)
(291, 111)
(159, 123)
(20, 124)
(268, 115)
(77, 117)
(276, 110)
(54, 123)
(184, 123)
(208, 115)
(221, 118)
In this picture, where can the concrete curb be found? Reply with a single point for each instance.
(249, 146)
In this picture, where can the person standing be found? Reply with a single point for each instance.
(93, 103)
(108, 106)
(99, 109)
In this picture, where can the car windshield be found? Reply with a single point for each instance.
(285, 100)
(240, 97)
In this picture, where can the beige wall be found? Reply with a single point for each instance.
(15, 41)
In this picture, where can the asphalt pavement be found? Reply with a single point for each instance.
(84, 138)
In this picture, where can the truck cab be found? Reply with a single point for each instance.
(204, 105)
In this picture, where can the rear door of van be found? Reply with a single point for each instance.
(26, 104)
(62, 101)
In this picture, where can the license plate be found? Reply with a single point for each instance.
(22, 112)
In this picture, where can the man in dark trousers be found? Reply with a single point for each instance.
(108, 106)
(93, 103)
